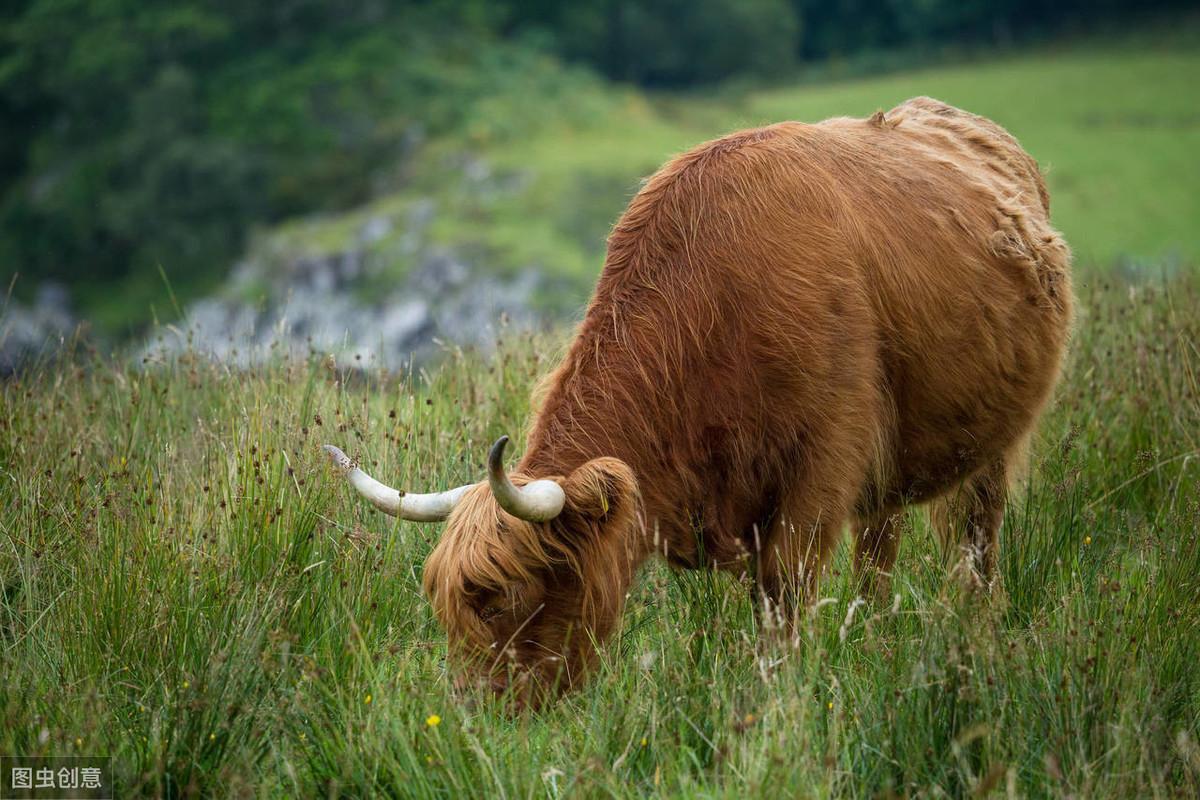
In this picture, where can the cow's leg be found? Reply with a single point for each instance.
(802, 536)
(968, 520)
(876, 541)
(835, 453)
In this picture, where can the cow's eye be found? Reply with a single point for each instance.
(487, 613)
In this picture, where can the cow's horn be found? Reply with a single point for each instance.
(432, 507)
(536, 501)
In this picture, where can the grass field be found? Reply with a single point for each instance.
(187, 587)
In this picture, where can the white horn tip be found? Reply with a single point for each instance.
(338, 458)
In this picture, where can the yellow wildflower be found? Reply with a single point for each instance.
(433, 720)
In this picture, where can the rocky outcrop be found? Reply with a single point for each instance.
(316, 307)
(352, 301)
(30, 332)
(373, 287)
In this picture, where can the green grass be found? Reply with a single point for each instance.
(1115, 122)
(1116, 129)
(186, 587)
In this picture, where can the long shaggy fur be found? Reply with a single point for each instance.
(797, 327)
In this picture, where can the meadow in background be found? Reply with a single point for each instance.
(177, 140)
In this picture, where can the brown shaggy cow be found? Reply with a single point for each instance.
(797, 327)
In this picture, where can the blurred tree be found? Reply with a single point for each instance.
(670, 42)
(139, 136)
(841, 27)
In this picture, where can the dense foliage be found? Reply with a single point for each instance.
(160, 134)
(140, 136)
(687, 42)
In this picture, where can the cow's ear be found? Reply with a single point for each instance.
(602, 488)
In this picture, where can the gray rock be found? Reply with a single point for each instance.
(321, 302)
(374, 230)
(316, 311)
(34, 331)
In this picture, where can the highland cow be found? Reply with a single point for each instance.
(798, 327)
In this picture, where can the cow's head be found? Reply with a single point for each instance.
(530, 575)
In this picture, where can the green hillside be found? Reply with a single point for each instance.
(1116, 131)
(1116, 128)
